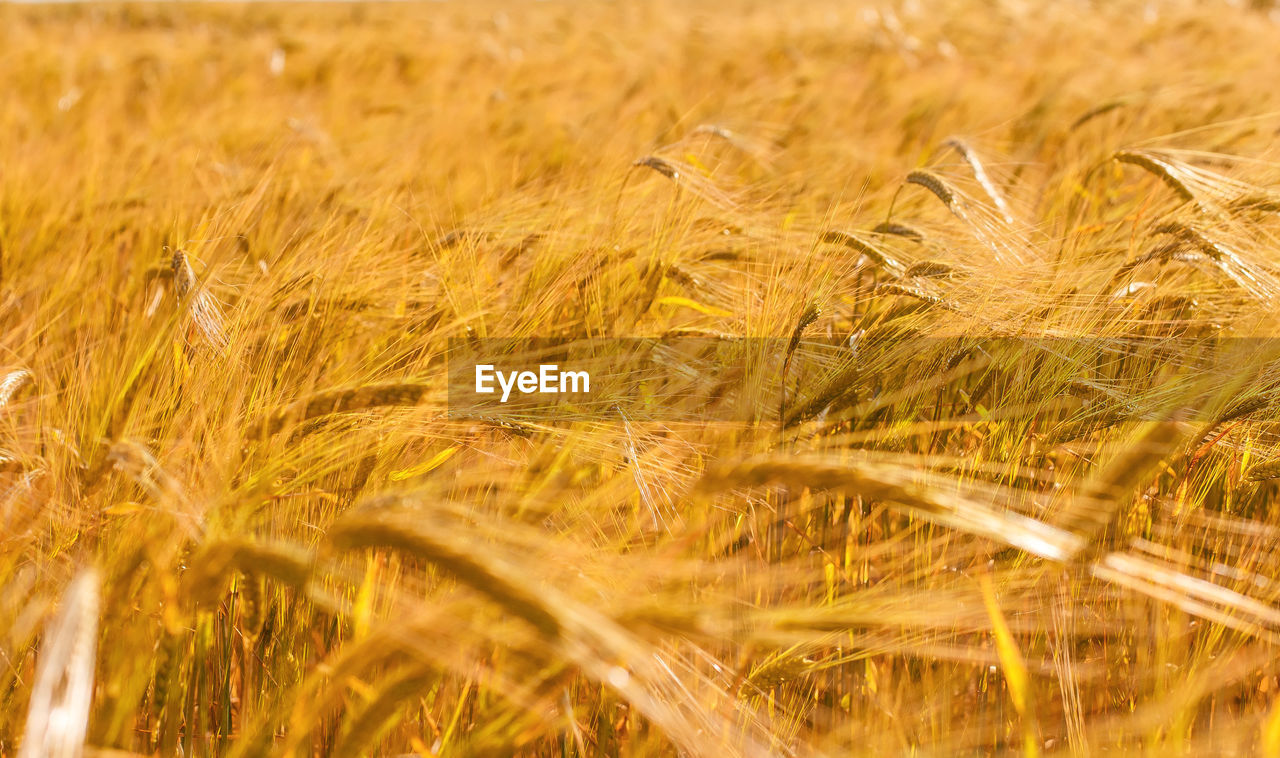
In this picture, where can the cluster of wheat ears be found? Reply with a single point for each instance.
(1016, 490)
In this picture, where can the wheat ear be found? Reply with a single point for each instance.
(893, 288)
(215, 562)
(938, 187)
(1104, 494)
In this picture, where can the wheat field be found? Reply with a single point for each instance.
(1016, 490)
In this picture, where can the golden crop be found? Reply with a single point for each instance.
(997, 502)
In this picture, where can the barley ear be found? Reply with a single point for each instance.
(381, 713)
(980, 173)
(488, 575)
(929, 270)
(1107, 492)
(1263, 472)
(853, 242)
(898, 230)
(203, 308)
(1159, 168)
(12, 384)
(938, 187)
(58, 713)
(810, 314)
